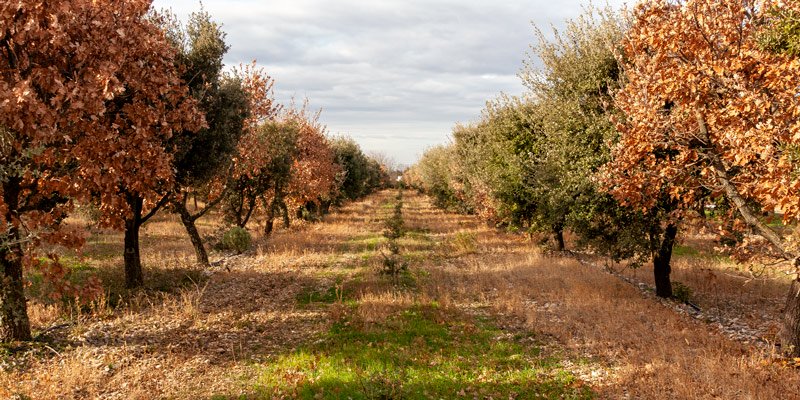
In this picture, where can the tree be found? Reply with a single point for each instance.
(709, 110)
(572, 93)
(202, 158)
(435, 177)
(493, 166)
(262, 171)
(359, 174)
(83, 83)
(314, 172)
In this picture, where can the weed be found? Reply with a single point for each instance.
(465, 242)
(681, 292)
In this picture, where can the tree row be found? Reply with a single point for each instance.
(637, 125)
(117, 107)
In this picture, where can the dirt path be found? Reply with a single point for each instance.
(480, 314)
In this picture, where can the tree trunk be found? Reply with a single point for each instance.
(133, 263)
(558, 235)
(197, 242)
(14, 323)
(790, 332)
(251, 205)
(285, 213)
(325, 208)
(661, 262)
(270, 218)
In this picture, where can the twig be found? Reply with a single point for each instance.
(53, 350)
(52, 328)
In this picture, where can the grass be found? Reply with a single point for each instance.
(688, 251)
(332, 294)
(484, 315)
(416, 355)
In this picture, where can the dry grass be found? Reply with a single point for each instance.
(629, 345)
(209, 336)
(188, 336)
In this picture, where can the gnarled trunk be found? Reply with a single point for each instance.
(188, 222)
(661, 262)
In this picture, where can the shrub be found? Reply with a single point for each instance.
(465, 242)
(681, 292)
(236, 239)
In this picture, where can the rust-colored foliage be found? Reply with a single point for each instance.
(314, 169)
(88, 96)
(710, 111)
(252, 153)
(698, 62)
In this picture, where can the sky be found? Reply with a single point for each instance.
(394, 75)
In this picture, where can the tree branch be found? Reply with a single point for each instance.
(741, 204)
(155, 209)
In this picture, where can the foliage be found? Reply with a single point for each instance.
(88, 90)
(313, 179)
(780, 32)
(236, 239)
(262, 170)
(704, 118)
(393, 263)
(359, 175)
(433, 174)
(710, 120)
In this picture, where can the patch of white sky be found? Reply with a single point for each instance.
(394, 75)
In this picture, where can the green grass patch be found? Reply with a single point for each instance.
(365, 243)
(680, 250)
(330, 295)
(415, 355)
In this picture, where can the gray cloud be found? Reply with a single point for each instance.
(394, 75)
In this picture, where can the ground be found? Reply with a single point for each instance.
(479, 314)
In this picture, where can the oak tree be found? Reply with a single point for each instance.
(86, 88)
(709, 110)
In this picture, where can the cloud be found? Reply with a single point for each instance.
(395, 75)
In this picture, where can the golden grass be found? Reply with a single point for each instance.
(202, 338)
(632, 345)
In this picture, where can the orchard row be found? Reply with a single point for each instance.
(678, 114)
(123, 109)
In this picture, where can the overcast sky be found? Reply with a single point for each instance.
(394, 75)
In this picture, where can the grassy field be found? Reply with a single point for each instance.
(479, 314)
